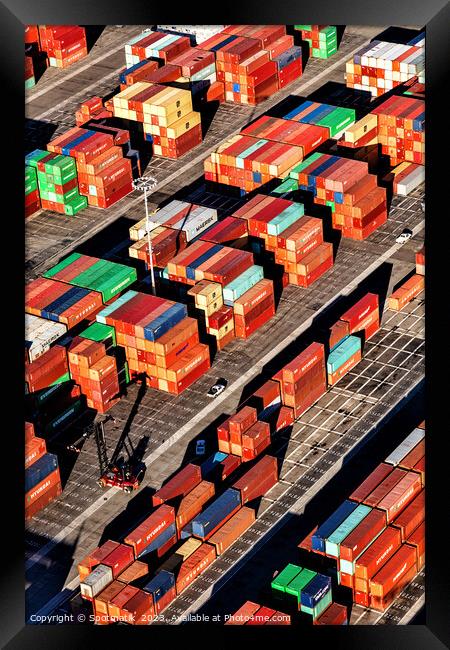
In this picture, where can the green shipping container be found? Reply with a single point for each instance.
(285, 577)
(333, 542)
(288, 185)
(100, 333)
(298, 169)
(299, 582)
(74, 206)
(66, 417)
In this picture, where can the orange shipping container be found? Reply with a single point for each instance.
(387, 578)
(193, 503)
(232, 529)
(195, 565)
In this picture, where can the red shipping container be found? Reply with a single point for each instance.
(360, 311)
(411, 517)
(257, 433)
(243, 614)
(162, 550)
(148, 530)
(420, 467)
(135, 571)
(378, 553)
(251, 454)
(361, 598)
(41, 488)
(384, 487)
(401, 495)
(261, 617)
(411, 459)
(335, 614)
(361, 536)
(267, 394)
(285, 418)
(29, 431)
(104, 597)
(119, 559)
(179, 485)
(387, 578)
(255, 323)
(228, 466)
(258, 480)
(346, 579)
(417, 539)
(34, 449)
(195, 565)
(382, 603)
(165, 601)
(41, 502)
(116, 604)
(371, 482)
(312, 355)
(240, 422)
(95, 558)
(140, 605)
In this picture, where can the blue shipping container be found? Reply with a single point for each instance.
(163, 323)
(186, 532)
(315, 590)
(160, 585)
(39, 470)
(212, 462)
(225, 505)
(159, 540)
(342, 353)
(330, 525)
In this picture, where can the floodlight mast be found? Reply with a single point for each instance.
(147, 184)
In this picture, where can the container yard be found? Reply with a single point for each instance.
(224, 372)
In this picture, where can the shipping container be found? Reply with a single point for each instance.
(232, 529)
(412, 516)
(96, 581)
(192, 504)
(147, 533)
(195, 565)
(258, 480)
(371, 482)
(330, 525)
(179, 485)
(223, 508)
(243, 614)
(378, 553)
(335, 614)
(385, 580)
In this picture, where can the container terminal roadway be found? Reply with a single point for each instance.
(71, 526)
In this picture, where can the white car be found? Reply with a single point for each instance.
(404, 236)
(200, 447)
(218, 388)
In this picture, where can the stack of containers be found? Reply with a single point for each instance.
(64, 44)
(311, 591)
(156, 45)
(230, 231)
(44, 483)
(401, 129)
(219, 319)
(322, 39)
(137, 72)
(380, 66)
(377, 535)
(296, 240)
(172, 228)
(105, 334)
(103, 276)
(362, 318)
(302, 134)
(243, 434)
(334, 119)
(197, 66)
(303, 380)
(167, 116)
(406, 292)
(254, 61)
(59, 302)
(42, 479)
(91, 108)
(248, 163)
(420, 261)
(104, 175)
(358, 205)
(95, 372)
(32, 198)
(160, 341)
(57, 181)
(407, 177)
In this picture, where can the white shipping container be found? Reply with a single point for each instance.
(197, 222)
(96, 581)
(405, 447)
(40, 333)
(413, 180)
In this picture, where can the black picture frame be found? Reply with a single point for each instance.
(435, 16)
